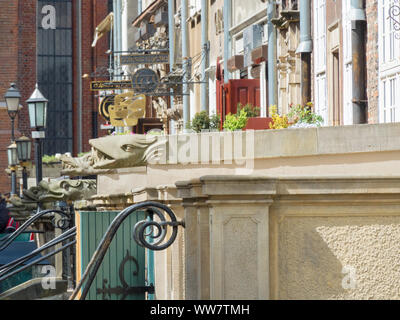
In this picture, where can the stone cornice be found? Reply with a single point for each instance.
(358, 190)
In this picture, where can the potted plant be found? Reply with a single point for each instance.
(202, 121)
(304, 117)
(52, 166)
(277, 121)
(234, 122)
(255, 122)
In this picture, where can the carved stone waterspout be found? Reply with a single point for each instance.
(114, 152)
(49, 192)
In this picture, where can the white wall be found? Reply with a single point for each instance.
(243, 10)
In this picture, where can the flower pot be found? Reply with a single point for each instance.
(258, 123)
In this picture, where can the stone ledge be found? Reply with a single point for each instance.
(230, 185)
(33, 290)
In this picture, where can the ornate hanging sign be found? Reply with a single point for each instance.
(105, 106)
(110, 85)
(145, 81)
(127, 109)
(159, 58)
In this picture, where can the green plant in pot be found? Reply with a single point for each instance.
(251, 111)
(46, 159)
(202, 121)
(234, 122)
(304, 115)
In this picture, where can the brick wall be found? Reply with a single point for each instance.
(93, 13)
(18, 64)
(372, 55)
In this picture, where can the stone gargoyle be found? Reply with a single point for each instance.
(115, 152)
(49, 192)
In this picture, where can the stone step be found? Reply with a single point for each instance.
(34, 290)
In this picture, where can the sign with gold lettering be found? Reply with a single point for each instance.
(159, 58)
(110, 85)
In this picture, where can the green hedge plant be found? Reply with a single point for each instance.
(202, 122)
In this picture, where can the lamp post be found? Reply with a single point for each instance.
(12, 163)
(24, 148)
(12, 98)
(37, 106)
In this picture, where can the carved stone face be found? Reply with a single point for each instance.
(123, 151)
(48, 192)
(66, 190)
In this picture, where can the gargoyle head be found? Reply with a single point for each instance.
(66, 190)
(125, 151)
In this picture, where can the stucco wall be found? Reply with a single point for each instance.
(317, 256)
(294, 238)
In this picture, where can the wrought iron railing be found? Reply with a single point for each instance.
(24, 262)
(151, 234)
(143, 233)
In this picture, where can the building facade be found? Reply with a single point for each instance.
(340, 33)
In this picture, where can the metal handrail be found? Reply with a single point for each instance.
(33, 219)
(140, 236)
(19, 265)
(63, 237)
(69, 244)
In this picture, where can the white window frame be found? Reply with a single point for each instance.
(320, 84)
(389, 65)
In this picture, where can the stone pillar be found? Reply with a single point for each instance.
(176, 253)
(197, 250)
(227, 237)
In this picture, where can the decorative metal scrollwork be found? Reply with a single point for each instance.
(140, 234)
(63, 223)
(394, 15)
(151, 234)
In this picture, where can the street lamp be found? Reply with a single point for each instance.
(13, 163)
(37, 106)
(24, 147)
(12, 98)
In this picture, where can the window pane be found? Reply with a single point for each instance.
(55, 76)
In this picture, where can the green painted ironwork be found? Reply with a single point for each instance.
(109, 283)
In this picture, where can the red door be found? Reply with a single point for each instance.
(242, 91)
(229, 95)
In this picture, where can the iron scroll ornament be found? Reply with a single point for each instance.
(98, 256)
(394, 15)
